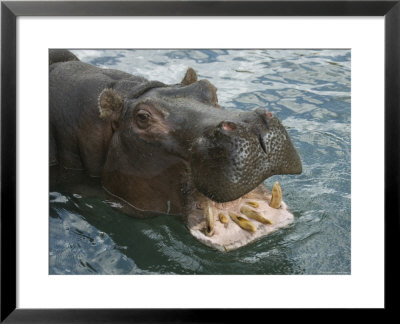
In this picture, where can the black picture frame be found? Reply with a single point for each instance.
(11, 10)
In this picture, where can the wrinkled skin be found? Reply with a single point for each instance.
(156, 146)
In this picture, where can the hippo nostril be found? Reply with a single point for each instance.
(262, 143)
(265, 115)
(227, 126)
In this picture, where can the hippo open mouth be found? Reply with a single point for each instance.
(172, 149)
(228, 226)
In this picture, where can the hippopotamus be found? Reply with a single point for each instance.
(171, 149)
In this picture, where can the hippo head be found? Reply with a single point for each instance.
(173, 146)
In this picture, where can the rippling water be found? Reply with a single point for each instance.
(309, 90)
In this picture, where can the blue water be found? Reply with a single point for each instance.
(310, 91)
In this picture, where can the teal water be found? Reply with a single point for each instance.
(310, 91)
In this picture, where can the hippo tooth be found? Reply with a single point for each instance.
(243, 222)
(276, 198)
(250, 213)
(222, 218)
(253, 204)
(208, 213)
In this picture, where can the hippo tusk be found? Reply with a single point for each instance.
(253, 204)
(243, 222)
(250, 213)
(276, 198)
(222, 218)
(208, 213)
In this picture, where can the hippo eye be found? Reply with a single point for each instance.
(142, 118)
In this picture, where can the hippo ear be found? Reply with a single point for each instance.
(190, 77)
(110, 104)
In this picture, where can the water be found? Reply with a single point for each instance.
(309, 90)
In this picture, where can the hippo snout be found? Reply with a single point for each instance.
(235, 156)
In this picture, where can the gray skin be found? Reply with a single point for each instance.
(157, 146)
